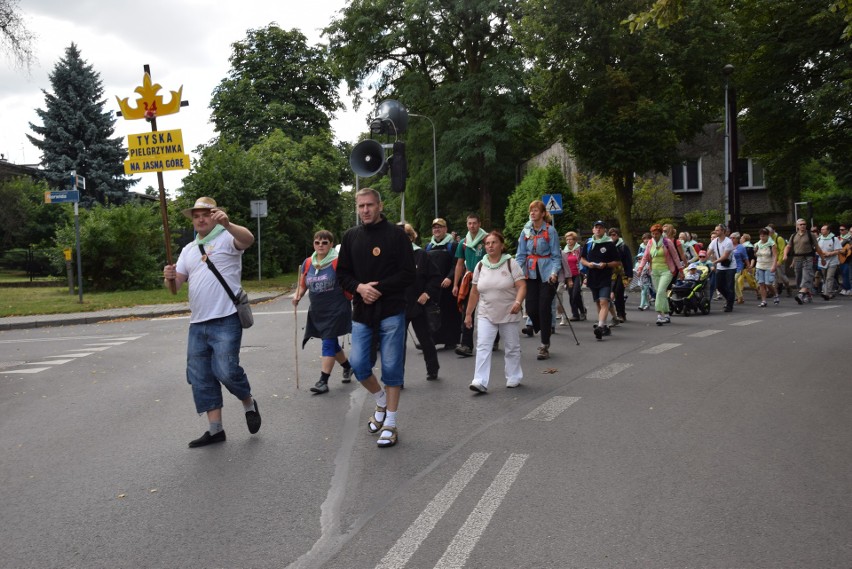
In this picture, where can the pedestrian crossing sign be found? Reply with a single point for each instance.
(552, 203)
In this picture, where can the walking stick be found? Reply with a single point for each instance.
(296, 342)
(562, 306)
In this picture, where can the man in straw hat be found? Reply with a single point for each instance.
(215, 333)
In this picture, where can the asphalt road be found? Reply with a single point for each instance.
(719, 441)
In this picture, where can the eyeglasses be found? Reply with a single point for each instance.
(801, 224)
(323, 242)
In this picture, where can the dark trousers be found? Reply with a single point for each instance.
(618, 293)
(539, 302)
(725, 285)
(467, 333)
(575, 296)
(420, 325)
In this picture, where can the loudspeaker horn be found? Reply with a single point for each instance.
(367, 158)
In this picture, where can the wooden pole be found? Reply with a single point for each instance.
(163, 209)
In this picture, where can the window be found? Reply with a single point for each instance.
(686, 177)
(750, 175)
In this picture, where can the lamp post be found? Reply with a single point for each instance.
(434, 160)
(726, 71)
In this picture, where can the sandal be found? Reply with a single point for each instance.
(374, 425)
(387, 440)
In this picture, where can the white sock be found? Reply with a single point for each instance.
(601, 323)
(381, 398)
(390, 419)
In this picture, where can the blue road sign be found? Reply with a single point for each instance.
(552, 203)
(66, 196)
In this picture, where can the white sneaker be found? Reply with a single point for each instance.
(476, 386)
(511, 384)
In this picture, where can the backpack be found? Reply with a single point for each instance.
(307, 267)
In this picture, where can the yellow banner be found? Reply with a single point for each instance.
(159, 163)
(155, 144)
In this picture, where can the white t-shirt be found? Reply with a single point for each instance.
(497, 291)
(828, 245)
(718, 249)
(207, 297)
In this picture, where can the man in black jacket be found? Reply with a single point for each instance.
(376, 265)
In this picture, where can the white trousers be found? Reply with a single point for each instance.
(510, 333)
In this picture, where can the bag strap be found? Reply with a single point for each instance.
(206, 259)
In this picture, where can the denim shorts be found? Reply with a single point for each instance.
(391, 335)
(601, 293)
(213, 360)
(764, 276)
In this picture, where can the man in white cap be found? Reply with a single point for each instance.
(215, 333)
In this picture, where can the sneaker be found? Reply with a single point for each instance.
(321, 386)
(563, 321)
(660, 320)
(762, 304)
(808, 299)
(543, 352)
(253, 419)
(614, 322)
(598, 332)
(643, 308)
(464, 351)
(512, 384)
(207, 439)
(607, 331)
(776, 300)
(798, 298)
(583, 316)
(478, 387)
(667, 319)
(347, 375)
(528, 330)
(432, 376)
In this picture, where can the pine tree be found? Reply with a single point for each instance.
(76, 133)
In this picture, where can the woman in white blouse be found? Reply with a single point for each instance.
(497, 294)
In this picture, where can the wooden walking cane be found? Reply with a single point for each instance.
(296, 342)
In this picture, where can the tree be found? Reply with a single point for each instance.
(622, 101)
(537, 183)
(76, 133)
(25, 220)
(299, 180)
(459, 64)
(276, 81)
(15, 39)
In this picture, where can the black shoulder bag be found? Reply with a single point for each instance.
(241, 301)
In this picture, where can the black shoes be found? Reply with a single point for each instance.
(464, 351)
(528, 330)
(208, 439)
(598, 332)
(252, 420)
(320, 386)
(432, 376)
(347, 375)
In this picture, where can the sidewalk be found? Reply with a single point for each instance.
(143, 311)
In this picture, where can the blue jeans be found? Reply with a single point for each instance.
(845, 274)
(391, 334)
(213, 360)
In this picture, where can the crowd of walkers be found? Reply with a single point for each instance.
(380, 282)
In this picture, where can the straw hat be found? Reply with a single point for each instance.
(200, 203)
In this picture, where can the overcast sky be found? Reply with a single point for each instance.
(186, 42)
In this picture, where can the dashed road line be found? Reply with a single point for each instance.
(660, 349)
(551, 408)
(609, 371)
(420, 529)
(745, 322)
(705, 333)
(826, 307)
(27, 370)
(467, 537)
(785, 314)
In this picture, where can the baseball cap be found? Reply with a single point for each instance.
(439, 221)
(702, 253)
(599, 222)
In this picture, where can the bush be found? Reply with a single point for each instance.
(122, 247)
(705, 217)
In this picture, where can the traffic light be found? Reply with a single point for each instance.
(398, 167)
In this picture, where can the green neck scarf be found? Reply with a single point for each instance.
(415, 246)
(214, 233)
(318, 264)
(447, 238)
(604, 239)
(568, 249)
(487, 263)
(474, 240)
(828, 237)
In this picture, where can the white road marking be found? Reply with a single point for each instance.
(28, 370)
(91, 349)
(83, 355)
(785, 314)
(419, 530)
(826, 307)
(51, 362)
(745, 322)
(705, 333)
(660, 349)
(105, 345)
(74, 338)
(609, 371)
(551, 408)
(467, 537)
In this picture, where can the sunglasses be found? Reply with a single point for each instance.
(323, 242)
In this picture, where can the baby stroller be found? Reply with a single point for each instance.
(691, 293)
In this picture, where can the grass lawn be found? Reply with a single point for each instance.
(26, 301)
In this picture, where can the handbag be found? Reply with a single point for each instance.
(241, 301)
(433, 315)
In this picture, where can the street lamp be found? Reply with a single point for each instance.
(434, 160)
(726, 71)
